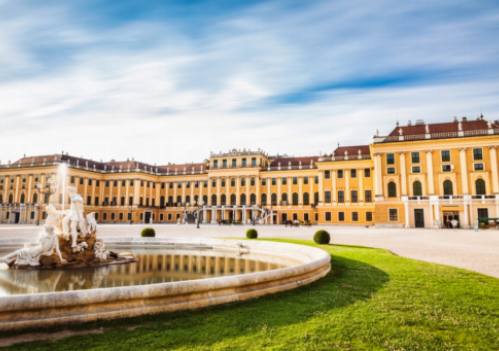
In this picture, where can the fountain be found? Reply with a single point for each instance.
(68, 239)
(69, 275)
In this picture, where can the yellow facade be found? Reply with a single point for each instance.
(409, 178)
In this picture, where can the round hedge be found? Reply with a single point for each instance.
(251, 233)
(148, 233)
(322, 237)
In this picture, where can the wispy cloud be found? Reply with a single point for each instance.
(169, 81)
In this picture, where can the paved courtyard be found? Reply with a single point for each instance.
(477, 251)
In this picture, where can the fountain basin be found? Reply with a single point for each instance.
(291, 266)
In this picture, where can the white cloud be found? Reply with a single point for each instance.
(148, 90)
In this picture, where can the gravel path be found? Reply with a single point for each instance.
(477, 251)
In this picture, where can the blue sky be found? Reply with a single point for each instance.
(169, 81)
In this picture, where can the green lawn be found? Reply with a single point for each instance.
(372, 300)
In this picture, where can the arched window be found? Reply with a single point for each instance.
(35, 198)
(22, 198)
(480, 187)
(294, 199)
(205, 200)
(1, 199)
(392, 189)
(448, 189)
(284, 198)
(233, 199)
(306, 199)
(161, 201)
(223, 200)
(417, 188)
(213, 200)
(196, 199)
(264, 199)
(187, 200)
(253, 199)
(243, 199)
(273, 199)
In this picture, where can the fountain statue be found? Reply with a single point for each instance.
(68, 238)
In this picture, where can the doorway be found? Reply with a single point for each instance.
(17, 216)
(419, 217)
(451, 219)
(147, 217)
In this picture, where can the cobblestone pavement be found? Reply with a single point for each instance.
(477, 251)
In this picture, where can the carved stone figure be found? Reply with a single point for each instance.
(48, 242)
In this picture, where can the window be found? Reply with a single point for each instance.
(295, 199)
(328, 216)
(354, 196)
(223, 183)
(392, 189)
(482, 213)
(393, 214)
(243, 181)
(445, 155)
(355, 216)
(390, 159)
(369, 216)
(417, 188)
(284, 199)
(341, 196)
(273, 199)
(244, 162)
(252, 199)
(316, 180)
(416, 169)
(232, 182)
(224, 163)
(253, 162)
(234, 163)
(340, 173)
(263, 200)
(306, 199)
(478, 166)
(295, 180)
(367, 172)
(305, 180)
(480, 187)
(252, 181)
(215, 164)
(448, 189)
(353, 173)
(415, 157)
(446, 168)
(477, 154)
(327, 174)
(368, 197)
(390, 170)
(341, 216)
(284, 181)
(327, 196)
(274, 181)
(264, 181)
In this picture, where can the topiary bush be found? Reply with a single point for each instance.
(322, 237)
(148, 233)
(251, 234)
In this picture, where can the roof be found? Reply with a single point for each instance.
(454, 129)
(275, 161)
(352, 150)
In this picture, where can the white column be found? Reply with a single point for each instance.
(218, 190)
(183, 191)
(348, 198)
(493, 168)
(136, 192)
(378, 187)
(464, 172)
(403, 174)
(334, 193)
(429, 173)
(405, 200)
(279, 181)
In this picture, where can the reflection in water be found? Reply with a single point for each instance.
(151, 267)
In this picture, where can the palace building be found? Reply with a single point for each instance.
(419, 175)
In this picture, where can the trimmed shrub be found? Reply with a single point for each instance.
(322, 237)
(251, 234)
(148, 233)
